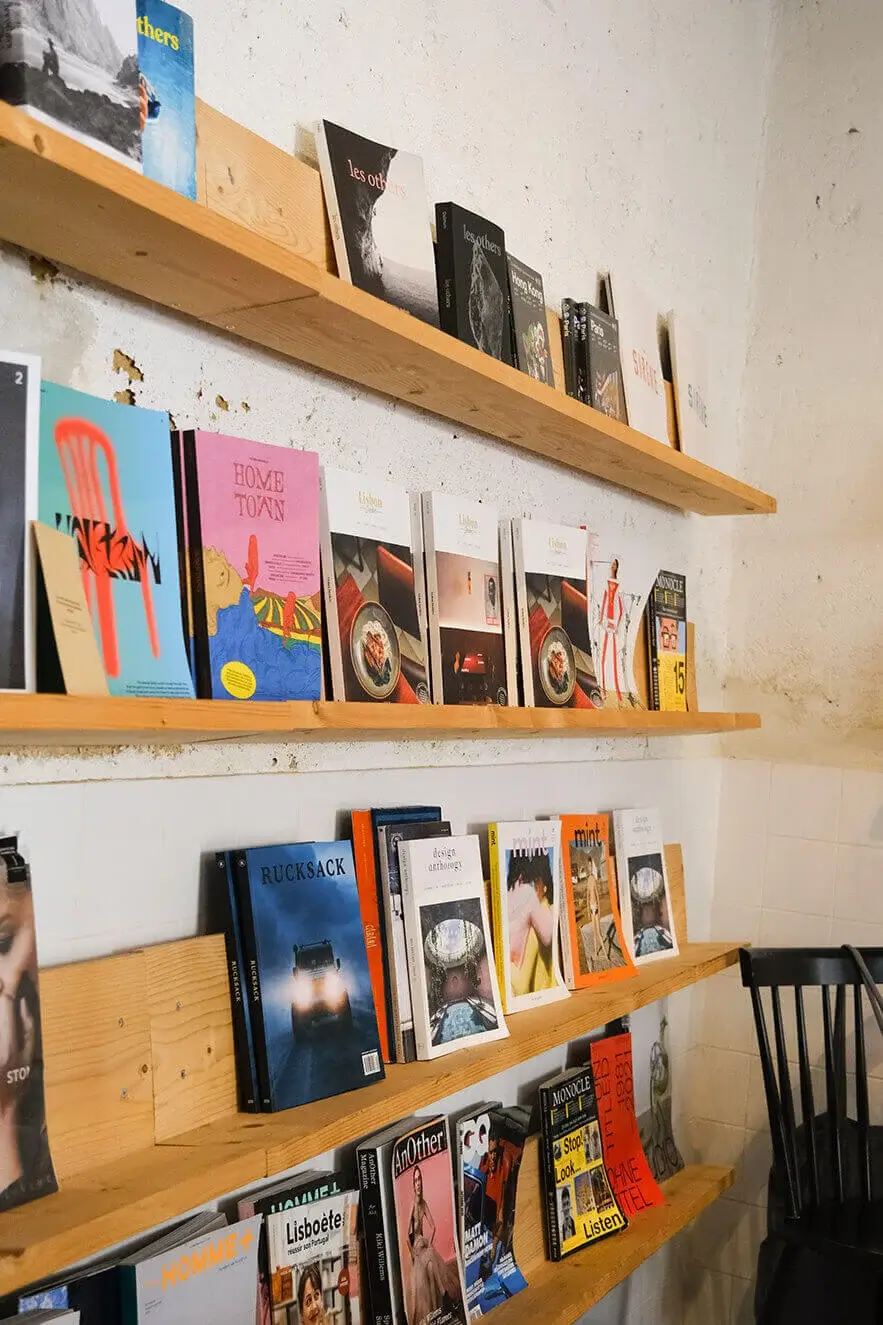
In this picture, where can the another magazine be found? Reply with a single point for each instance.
(643, 383)
(525, 862)
(620, 579)
(593, 948)
(252, 530)
(429, 1262)
(605, 369)
(379, 216)
(456, 1000)
(373, 921)
(373, 1162)
(667, 642)
(313, 1257)
(551, 590)
(375, 601)
(19, 444)
(473, 281)
(580, 1206)
(489, 1159)
(165, 58)
(76, 69)
(204, 1270)
(529, 321)
(644, 895)
(473, 659)
(633, 1184)
(692, 387)
(106, 478)
(313, 1020)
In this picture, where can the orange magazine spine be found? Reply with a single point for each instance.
(589, 824)
(366, 882)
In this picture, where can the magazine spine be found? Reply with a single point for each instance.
(377, 1268)
(201, 658)
(497, 904)
(414, 947)
(569, 347)
(444, 267)
(550, 1201)
(373, 922)
(329, 587)
(251, 956)
(329, 188)
(652, 652)
(581, 323)
(397, 1044)
(178, 486)
(568, 929)
(418, 558)
(510, 628)
(432, 601)
(523, 616)
(243, 1049)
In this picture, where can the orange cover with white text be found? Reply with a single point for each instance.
(366, 882)
(593, 947)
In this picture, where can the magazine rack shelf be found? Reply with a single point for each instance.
(252, 258)
(71, 720)
(141, 1091)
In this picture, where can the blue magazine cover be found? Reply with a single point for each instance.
(168, 97)
(106, 479)
(319, 1026)
(491, 1146)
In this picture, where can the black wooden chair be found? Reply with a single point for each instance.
(825, 1211)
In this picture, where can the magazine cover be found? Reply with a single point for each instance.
(551, 588)
(605, 371)
(689, 365)
(303, 1189)
(633, 1184)
(431, 1274)
(210, 1277)
(19, 443)
(643, 384)
(373, 921)
(643, 885)
(379, 216)
(389, 838)
(492, 1146)
(529, 325)
(464, 582)
(253, 531)
(456, 1000)
(373, 578)
(76, 69)
(377, 1209)
(106, 478)
(165, 58)
(473, 280)
(26, 1172)
(621, 574)
(525, 860)
(313, 1253)
(592, 943)
(316, 1032)
(579, 1202)
(667, 642)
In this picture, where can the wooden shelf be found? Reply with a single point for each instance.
(73, 720)
(558, 1293)
(75, 206)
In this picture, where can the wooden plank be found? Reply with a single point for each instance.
(108, 1203)
(674, 865)
(78, 720)
(298, 1134)
(191, 1033)
(692, 692)
(270, 192)
(556, 349)
(73, 205)
(96, 1045)
(559, 1292)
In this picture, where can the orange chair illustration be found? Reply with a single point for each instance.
(80, 444)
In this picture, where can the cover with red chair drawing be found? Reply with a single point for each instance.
(372, 575)
(106, 479)
(252, 533)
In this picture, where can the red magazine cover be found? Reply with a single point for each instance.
(633, 1184)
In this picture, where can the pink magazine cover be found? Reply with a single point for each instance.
(252, 515)
(431, 1275)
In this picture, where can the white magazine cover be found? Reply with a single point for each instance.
(313, 1262)
(454, 990)
(19, 450)
(551, 586)
(466, 598)
(374, 588)
(644, 897)
(622, 571)
(689, 365)
(210, 1278)
(525, 860)
(639, 355)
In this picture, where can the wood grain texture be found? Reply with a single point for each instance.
(556, 348)
(75, 206)
(96, 1046)
(77, 720)
(296, 1135)
(559, 1292)
(269, 191)
(191, 1034)
(692, 692)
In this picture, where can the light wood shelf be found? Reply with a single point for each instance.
(71, 204)
(75, 720)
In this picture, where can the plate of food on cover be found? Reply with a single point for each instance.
(374, 649)
(556, 665)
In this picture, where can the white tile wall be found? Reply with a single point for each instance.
(800, 863)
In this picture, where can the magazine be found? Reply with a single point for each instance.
(592, 944)
(525, 861)
(431, 1275)
(313, 1256)
(627, 1168)
(491, 1145)
(645, 901)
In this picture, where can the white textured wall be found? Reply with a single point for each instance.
(596, 135)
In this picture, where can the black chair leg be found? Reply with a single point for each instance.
(768, 1312)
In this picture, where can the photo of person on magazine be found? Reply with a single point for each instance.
(432, 1278)
(529, 896)
(310, 1296)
